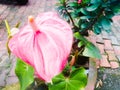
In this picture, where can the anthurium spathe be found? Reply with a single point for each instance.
(79, 1)
(44, 43)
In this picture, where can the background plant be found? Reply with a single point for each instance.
(95, 15)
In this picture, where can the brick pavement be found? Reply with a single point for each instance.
(108, 43)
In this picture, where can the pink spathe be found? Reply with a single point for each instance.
(44, 43)
(79, 1)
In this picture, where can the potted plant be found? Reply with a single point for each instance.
(48, 38)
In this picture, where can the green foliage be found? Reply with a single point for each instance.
(77, 80)
(96, 15)
(25, 74)
(90, 49)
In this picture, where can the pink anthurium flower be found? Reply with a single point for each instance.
(44, 43)
(79, 1)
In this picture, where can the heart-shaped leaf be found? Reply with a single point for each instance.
(76, 81)
(25, 74)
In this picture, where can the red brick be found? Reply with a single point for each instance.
(111, 55)
(113, 59)
(101, 48)
(114, 64)
(104, 62)
(108, 45)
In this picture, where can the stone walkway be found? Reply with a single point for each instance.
(109, 43)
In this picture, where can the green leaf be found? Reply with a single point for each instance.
(106, 23)
(116, 9)
(25, 74)
(84, 11)
(91, 51)
(92, 7)
(76, 81)
(84, 25)
(81, 43)
(62, 1)
(95, 1)
(86, 17)
(96, 29)
(73, 4)
(78, 36)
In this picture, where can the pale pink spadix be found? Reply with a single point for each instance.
(45, 43)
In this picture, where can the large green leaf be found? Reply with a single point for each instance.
(91, 51)
(76, 81)
(25, 74)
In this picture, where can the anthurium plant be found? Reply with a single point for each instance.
(48, 48)
(43, 47)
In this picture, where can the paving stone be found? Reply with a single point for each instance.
(118, 56)
(101, 48)
(108, 45)
(11, 80)
(2, 79)
(104, 62)
(5, 61)
(105, 35)
(2, 8)
(114, 40)
(99, 39)
(117, 50)
(113, 59)
(114, 64)
(12, 71)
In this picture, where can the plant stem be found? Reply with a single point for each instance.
(64, 4)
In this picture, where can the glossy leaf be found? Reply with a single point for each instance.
(84, 11)
(106, 23)
(85, 17)
(76, 81)
(25, 74)
(95, 1)
(73, 4)
(96, 29)
(91, 51)
(92, 7)
(81, 43)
